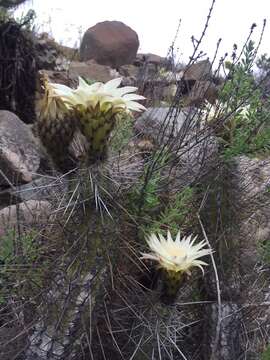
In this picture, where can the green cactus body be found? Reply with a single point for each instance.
(56, 135)
(97, 131)
(172, 282)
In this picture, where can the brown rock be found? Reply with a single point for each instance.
(69, 52)
(150, 59)
(59, 77)
(19, 152)
(129, 71)
(199, 71)
(91, 71)
(202, 90)
(110, 43)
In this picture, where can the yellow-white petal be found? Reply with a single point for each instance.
(112, 84)
(176, 255)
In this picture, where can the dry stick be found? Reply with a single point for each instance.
(151, 169)
(218, 326)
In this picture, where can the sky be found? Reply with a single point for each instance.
(156, 22)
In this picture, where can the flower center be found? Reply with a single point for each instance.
(176, 252)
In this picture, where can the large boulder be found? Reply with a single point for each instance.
(110, 43)
(19, 152)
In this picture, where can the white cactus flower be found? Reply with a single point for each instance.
(105, 97)
(52, 105)
(177, 256)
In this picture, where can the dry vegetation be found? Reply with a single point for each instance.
(73, 286)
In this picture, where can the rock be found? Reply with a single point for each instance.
(142, 59)
(129, 71)
(47, 51)
(227, 346)
(178, 129)
(91, 71)
(10, 350)
(199, 71)
(43, 188)
(155, 59)
(151, 121)
(250, 194)
(197, 158)
(169, 92)
(26, 214)
(149, 58)
(201, 91)
(243, 202)
(110, 43)
(60, 77)
(71, 54)
(19, 153)
(129, 81)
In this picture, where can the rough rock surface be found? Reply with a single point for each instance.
(250, 190)
(244, 278)
(110, 43)
(149, 58)
(19, 153)
(151, 121)
(202, 70)
(129, 70)
(47, 52)
(43, 188)
(26, 214)
(196, 151)
(91, 70)
(201, 91)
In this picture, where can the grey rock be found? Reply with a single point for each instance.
(197, 158)
(195, 149)
(225, 337)
(43, 188)
(250, 191)
(160, 123)
(47, 51)
(244, 281)
(19, 153)
(27, 213)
